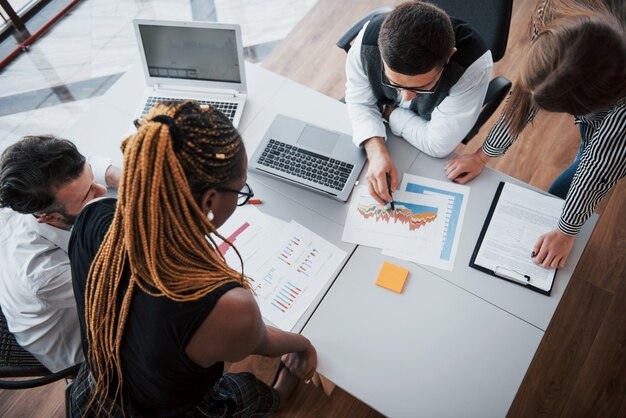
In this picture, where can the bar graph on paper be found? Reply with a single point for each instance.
(287, 265)
(285, 297)
(291, 279)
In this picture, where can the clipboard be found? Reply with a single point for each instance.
(503, 273)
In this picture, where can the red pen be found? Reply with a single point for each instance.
(254, 202)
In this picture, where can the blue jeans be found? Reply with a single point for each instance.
(561, 185)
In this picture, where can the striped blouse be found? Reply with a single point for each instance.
(602, 163)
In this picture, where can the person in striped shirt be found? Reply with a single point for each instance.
(576, 64)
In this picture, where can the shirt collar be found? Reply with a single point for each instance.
(57, 236)
(597, 117)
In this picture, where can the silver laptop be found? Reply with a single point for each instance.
(309, 156)
(193, 60)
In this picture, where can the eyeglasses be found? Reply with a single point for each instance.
(244, 195)
(411, 89)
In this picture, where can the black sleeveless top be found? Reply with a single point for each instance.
(470, 46)
(159, 378)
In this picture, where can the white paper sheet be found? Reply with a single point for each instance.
(520, 217)
(288, 265)
(289, 281)
(434, 243)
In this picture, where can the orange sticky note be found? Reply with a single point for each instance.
(392, 277)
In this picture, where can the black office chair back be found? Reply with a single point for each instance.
(345, 42)
(17, 362)
(491, 18)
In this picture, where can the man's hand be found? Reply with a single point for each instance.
(379, 165)
(552, 249)
(112, 176)
(303, 363)
(465, 167)
(388, 110)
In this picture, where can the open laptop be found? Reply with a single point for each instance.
(315, 158)
(193, 60)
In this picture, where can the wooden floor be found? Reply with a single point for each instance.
(580, 366)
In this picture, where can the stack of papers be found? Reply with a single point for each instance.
(287, 264)
(424, 227)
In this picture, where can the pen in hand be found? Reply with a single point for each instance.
(393, 207)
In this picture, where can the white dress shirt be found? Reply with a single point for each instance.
(36, 291)
(449, 123)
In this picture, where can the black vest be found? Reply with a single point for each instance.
(470, 46)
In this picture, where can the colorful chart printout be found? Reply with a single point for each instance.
(291, 278)
(414, 216)
(414, 225)
(455, 197)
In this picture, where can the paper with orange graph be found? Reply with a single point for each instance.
(416, 224)
(423, 228)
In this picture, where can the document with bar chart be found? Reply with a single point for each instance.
(455, 197)
(291, 279)
(253, 234)
(287, 264)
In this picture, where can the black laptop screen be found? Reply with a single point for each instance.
(191, 53)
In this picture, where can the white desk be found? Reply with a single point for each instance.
(454, 343)
(533, 307)
(435, 350)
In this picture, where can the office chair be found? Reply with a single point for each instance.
(491, 18)
(17, 362)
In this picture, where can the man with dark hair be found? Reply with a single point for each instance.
(44, 184)
(424, 73)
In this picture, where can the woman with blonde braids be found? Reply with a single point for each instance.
(160, 310)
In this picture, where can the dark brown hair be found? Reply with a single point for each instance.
(415, 38)
(576, 65)
(32, 169)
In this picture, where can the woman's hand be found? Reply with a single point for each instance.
(302, 364)
(465, 167)
(552, 249)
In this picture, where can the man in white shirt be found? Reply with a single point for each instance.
(425, 74)
(44, 184)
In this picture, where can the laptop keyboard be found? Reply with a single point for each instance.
(306, 164)
(227, 108)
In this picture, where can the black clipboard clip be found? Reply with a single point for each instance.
(510, 274)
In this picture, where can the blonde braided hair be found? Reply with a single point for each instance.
(158, 230)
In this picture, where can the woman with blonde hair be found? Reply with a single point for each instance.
(160, 310)
(576, 64)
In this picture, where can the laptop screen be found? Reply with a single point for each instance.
(191, 53)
